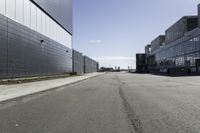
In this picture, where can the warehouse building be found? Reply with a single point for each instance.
(78, 62)
(83, 64)
(35, 37)
(178, 51)
(90, 65)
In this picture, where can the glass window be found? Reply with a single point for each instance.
(27, 13)
(39, 20)
(10, 9)
(33, 17)
(2, 7)
(19, 11)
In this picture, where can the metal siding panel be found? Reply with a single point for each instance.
(60, 10)
(27, 56)
(78, 64)
(90, 65)
(3, 47)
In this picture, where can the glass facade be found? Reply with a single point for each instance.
(178, 29)
(158, 42)
(199, 14)
(183, 53)
(27, 13)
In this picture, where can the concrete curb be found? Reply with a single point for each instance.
(32, 79)
(46, 90)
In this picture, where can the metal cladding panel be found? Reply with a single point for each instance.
(3, 47)
(23, 54)
(78, 63)
(90, 65)
(60, 10)
(182, 26)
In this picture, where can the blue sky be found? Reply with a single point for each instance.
(113, 31)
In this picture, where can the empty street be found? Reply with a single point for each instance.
(109, 103)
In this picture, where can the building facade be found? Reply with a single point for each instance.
(90, 65)
(141, 63)
(182, 26)
(158, 43)
(78, 62)
(182, 55)
(83, 64)
(35, 37)
(181, 50)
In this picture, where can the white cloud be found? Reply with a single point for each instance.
(95, 41)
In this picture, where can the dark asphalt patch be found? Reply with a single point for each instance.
(132, 116)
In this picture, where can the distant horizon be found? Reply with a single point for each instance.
(112, 32)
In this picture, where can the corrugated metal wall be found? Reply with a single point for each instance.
(23, 54)
(78, 62)
(90, 65)
(60, 10)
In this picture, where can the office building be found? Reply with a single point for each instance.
(182, 26)
(141, 62)
(178, 51)
(158, 43)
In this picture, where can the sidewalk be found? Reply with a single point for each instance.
(8, 92)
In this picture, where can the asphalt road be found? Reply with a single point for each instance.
(110, 103)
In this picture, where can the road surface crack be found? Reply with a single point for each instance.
(132, 116)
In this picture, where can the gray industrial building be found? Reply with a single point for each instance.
(78, 62)
(35, 38)
(178, 51)
(90, 65)
(83, 64)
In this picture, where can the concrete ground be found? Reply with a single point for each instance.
(8, 92)
(110, 103)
